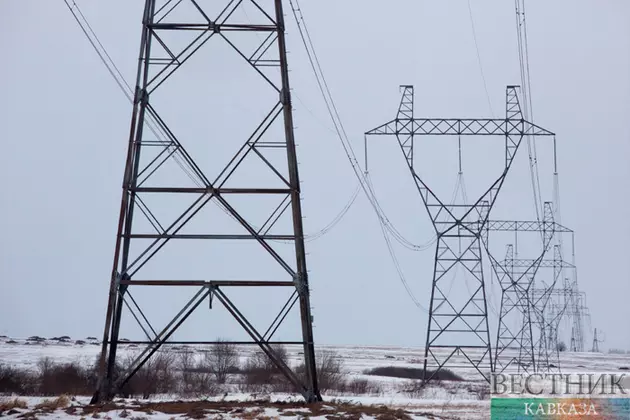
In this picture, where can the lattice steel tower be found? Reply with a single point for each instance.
(458, 329)
(546, 357)
(256, 186)
(516, 278)
(596, 341)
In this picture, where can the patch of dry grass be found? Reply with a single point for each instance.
(62, 401)
(255, 410)
(12, 404)
(349, 411)
(252, 414)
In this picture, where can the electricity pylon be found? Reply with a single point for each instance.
(458, 328)
(516, 281)
(551, 306)
(539, 300)
(548, 357)
(578, 311)
(596, 341)
(261, 167)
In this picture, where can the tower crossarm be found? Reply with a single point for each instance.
(538, 293)
(546, 263)
(523, 226)
(460, 127)
(512, 128)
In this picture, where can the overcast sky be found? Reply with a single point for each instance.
(64, 126)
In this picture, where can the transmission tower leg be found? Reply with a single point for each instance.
(458, 329)
(549, 359)
(108, 391)
(526, 358)
(300, 252)
(515, 304)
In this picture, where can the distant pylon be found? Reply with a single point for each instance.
(458, 328)
(595, 348)
(516, 278)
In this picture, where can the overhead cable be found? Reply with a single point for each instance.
(186, 167)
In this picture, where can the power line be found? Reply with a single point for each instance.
(364, 181)
(293, 94)
(125, 87)
(336, 220)
(483, 77)
(122, 83)
(523, 55)
(341, 132)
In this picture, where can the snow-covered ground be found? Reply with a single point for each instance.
(451, 400)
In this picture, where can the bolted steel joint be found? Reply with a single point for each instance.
(300, 283)
(212, 288)
(285, 96)
(122, 288)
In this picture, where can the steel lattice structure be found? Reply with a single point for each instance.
(556, 305)
(546, 304)
(460, 329)
(152, 144)
(520, 297)
(577, 311)
(596, 341)
(547, 357)
(541, 305)
(515, 278)
(553, 304)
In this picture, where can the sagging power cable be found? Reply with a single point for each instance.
(363, 178)
(186, 167)
(523, 55)
(340, 129)
(483, 76)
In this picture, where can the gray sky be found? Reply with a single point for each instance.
(64, 126)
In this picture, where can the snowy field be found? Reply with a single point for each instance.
(455, 400)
